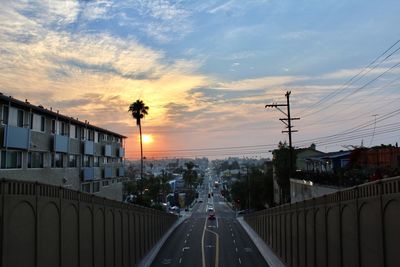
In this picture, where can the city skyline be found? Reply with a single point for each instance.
(206, 69)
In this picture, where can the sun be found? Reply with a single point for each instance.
(147, 138)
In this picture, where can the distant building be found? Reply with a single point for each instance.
(378, 157)
(302, 156)
(328, 162)
(38, 144)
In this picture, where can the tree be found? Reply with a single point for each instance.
(139, 110)
(189, 175)
(282, 169)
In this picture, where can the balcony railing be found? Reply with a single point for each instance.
(61, 143)
(108, 172)
(89, 148)
(88, 173)
(107, 151)
(16, 137)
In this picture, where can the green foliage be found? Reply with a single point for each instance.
(282, 167)
(189, 175)
(260, 187)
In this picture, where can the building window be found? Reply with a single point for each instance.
(53, 126)
(20, 118)
(35, 159)
(91, 135)
(87, 161)
(106, 183)
(73, 161)
(57, 160)
(37, 123)
(109, 160)
(11, 159)
(104, 137)
(96, 137)
(96, 162)
(62, 128)
(86, 187)
(72, 131)
(100, 137)
(5, 114)
(96, 187)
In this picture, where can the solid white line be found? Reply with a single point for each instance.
(217, 222)
(203, 257)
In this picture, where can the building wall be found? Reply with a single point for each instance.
(301, 158)
(303, 190)
(354, 227)
(43, 140)
(50, 226)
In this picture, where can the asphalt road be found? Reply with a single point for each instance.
(199, 242)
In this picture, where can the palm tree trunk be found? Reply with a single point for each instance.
(141, 151)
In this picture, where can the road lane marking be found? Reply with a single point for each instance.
(236, 249)
(203, 257)
(180, 260)
(234, 241)
(232, 234)
(217, 222)
(216, 247)
(185, 248)
(185, 241)
(240, 261)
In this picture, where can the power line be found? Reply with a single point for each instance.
(355, 78)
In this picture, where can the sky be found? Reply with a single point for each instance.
(207, 68)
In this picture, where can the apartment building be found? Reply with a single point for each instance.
(39, 144)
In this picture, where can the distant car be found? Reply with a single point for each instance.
(200, 201)
(210, 209)
(211, 216)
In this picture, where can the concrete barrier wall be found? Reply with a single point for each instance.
(44, 225)
(359, 226)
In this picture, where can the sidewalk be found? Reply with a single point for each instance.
(265, 251)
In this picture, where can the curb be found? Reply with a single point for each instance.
(151, 255)
(264, 249)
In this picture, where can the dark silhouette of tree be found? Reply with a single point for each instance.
(189, 175)
(139, 110)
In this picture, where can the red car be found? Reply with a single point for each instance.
(211, 216)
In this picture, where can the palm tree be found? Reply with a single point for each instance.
(139, 110)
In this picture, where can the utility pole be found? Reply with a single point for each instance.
(288, 122)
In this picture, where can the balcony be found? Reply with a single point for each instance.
(121, 171)
(88, 173)
(107, 151)
(61, 143)
(121, 152)
(16, 137)
(108, 172)
(89, 148)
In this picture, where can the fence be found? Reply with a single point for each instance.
(44, 225)
(359, 226)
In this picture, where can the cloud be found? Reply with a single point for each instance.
(297, 35)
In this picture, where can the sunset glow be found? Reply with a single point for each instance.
(147, 139)
(206, 84)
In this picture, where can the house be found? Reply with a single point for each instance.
(328, 162)
(39, 144)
